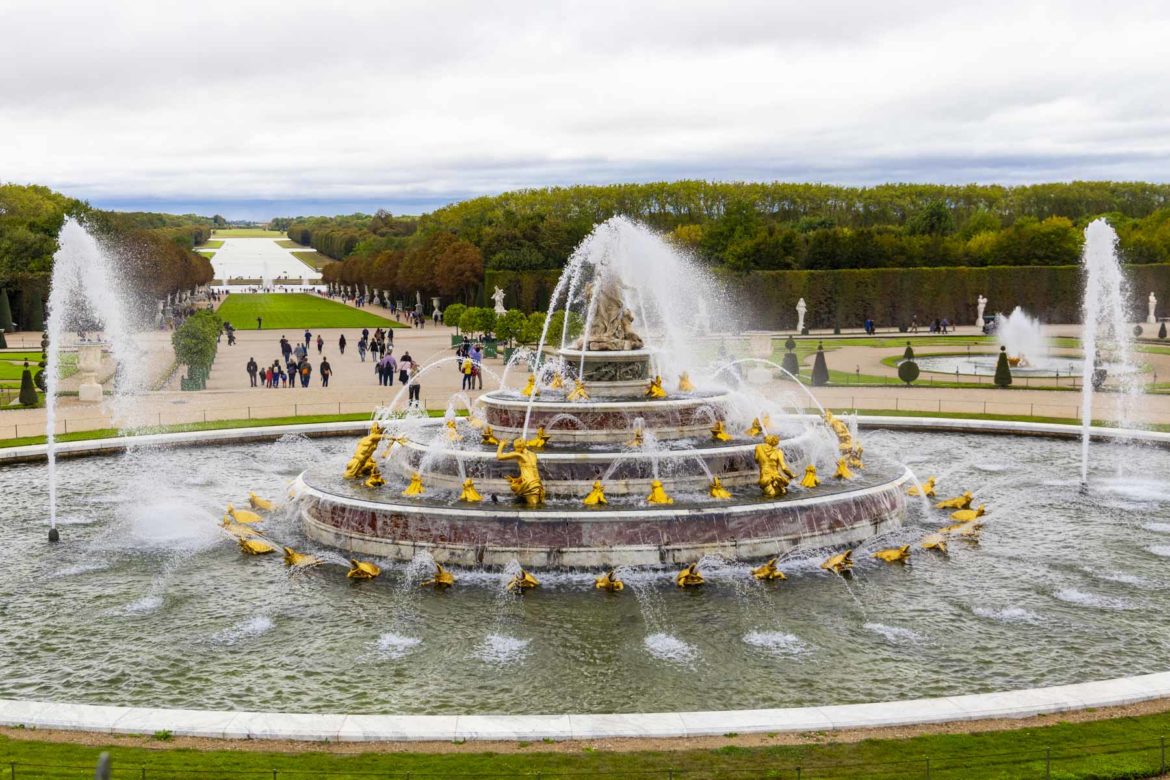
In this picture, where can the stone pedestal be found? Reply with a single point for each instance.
(89, 361)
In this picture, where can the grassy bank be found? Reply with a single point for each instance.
(295, 312)
(1124, 747)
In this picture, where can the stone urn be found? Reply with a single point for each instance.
(89, 362)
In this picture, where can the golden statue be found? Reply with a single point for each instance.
(363, 457)
(441, 579)
(415, 488)
(810, 480)
(362, 570)
(718, 433)
(238, 530)
(970, 531)
(958, 502)
(637, 440)
(487, 436)
(839, 563)
(375, 480)
(475, 421)
(894, 554)
(658, 495)
(296, 560)
(527, 485)
(967, 515)
(845, 442)
(689, 577)
(716, 490)
(243, 515)
(558, 381)
(469, 493)
(522, 582)
(263, 504)
(855, 456)
(452, 431)
(538, 441)
(843, 471)
(925, 489)
(768, 572)
(774, 472)
(531, 390)
(755, 429)
(391, 441)
(255, 547)
(936, 542)
(596, 496)
(578, 393)
(609, 581)
(654, 389)
(685, 385)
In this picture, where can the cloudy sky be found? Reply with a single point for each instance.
(258, 109)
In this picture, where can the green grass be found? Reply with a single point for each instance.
(1105, 749)
(295, 312)
(246, 233)
(207, 254)
(288, 243)
(212, 244)
(12, 365)
(313, 259)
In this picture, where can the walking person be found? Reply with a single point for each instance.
(292, 373)
(391, 367)
(326, 371)
(363, 345)
(306, 371)
(477, 365)
(252, 370)
(320, 343)
(308, 338)
(341, 343)
(412, 380)
(468, 379)
(405, 365)
(259, 323)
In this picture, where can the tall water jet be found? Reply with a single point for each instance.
(1104, 326)
(87, 296)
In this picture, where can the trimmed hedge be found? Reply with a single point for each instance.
(891, 296)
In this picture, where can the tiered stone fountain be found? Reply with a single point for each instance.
(686, 468)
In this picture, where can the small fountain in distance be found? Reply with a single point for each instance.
(1021, 335)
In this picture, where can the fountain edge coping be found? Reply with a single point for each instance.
(113, 445)
(341, 727)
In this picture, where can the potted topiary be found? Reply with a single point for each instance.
(1003, 371)
(908, 371)
(790, 363)
(820, 371)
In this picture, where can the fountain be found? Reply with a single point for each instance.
(1021, 335)
(1105, 328)
(87, 297)
(625, 468)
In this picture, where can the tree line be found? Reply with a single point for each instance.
(154, 251)
(777, 226)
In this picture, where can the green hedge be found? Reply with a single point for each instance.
(891, 296)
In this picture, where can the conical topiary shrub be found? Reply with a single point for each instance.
(28, 391)
(909, 353)
(820, 372)
(908, 371)
(6, 318)
(790, 363)
(1162, 331)
(1003, 371)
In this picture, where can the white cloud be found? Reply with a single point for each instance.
(403, 101)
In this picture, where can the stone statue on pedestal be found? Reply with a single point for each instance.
(611, 326)
(981, 305)
(498, 297)
(801, 308)
(1151, 319)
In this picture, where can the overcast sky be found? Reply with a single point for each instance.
(262, 109)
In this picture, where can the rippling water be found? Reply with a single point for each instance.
(144, 602)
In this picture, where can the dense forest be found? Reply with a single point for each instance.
(741, 227)
(155, 250)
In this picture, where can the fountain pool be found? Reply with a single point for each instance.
(147, 602)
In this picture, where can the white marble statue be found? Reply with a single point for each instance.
(801, 308)
(1151, 319)
(498, 297)
(982, 304)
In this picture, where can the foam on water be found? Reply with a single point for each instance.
(252, 627)
(1119, 577)
(669, 648)
(776, 642)
(1160, 528)
(83, 568)
(1007, 614)
(143, 606)
(1161, 550)
(498, 648)
(393, 645)
(895, 635)
(1084, 599)
(172, 524)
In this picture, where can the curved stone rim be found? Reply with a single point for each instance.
(676, 401)
(1012, 704)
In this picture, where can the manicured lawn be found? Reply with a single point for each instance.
(206, 253)
(296, 312)
(288, 243)
(212, 244)
(1114, 748)
(246, 233)
(313, 259)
